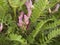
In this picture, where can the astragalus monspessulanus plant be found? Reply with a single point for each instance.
(29, 22)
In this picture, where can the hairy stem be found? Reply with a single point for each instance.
(14, 9)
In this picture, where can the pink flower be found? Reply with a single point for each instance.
(21, 19)
(29, 6)
(29, 13)
(1, 27)
(26, 19)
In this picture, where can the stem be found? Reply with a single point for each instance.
(14, 9)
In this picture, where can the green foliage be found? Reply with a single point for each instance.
(19, 38)
(16, 3)
(39, 7)
(50, 36)
(44, 27)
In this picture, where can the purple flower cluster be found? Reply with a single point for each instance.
(24, 18)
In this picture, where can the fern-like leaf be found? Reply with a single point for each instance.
(39, 6)
(36, 31)
(15, 37)
(54, 33)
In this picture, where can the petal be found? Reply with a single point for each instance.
(57, 7)
(21, 19)
(26, 19)
(28, 4)
(21, 15)
(1, 27)
(29, 13)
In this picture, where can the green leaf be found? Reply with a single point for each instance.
(15, 37)
(34, 33)
(39, 6)
(4, 5)
(16, 3)
(54, 33)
